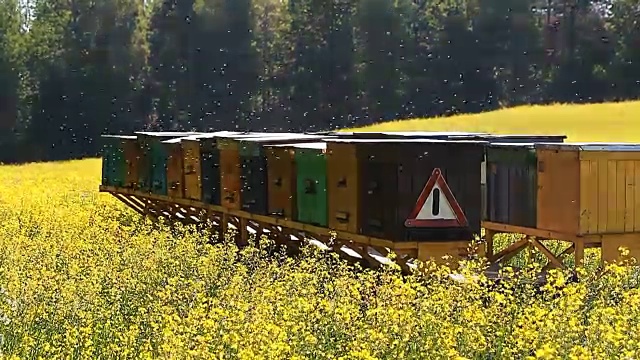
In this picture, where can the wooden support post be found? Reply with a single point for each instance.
(488, 236)
(244, 234)
(224, 226)
(579, 252)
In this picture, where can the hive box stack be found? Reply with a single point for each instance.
(201, 167)
(591, 191)
(118, 151)
(510, 178)
(237, 163)
(355, 156)
(173, 186)
(153, 155)
(387, 177)
(253, 158)
(311, 182)
(281, 180)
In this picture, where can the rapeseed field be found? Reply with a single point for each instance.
(83, 277)
(606, 122)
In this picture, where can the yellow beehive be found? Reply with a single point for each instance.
(591, 191)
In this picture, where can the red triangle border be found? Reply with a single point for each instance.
(461, 219)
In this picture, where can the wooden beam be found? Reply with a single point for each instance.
(362, 239)
(129, 203)
(546, 234)
(564, 252)
(546, 252)
(510, 251)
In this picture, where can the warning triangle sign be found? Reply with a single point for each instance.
(436, 206)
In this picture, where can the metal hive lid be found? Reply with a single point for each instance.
(594, 146)
(409, 134)
(249, 135)
(167, 133)
(404, 141)
(212, 135)
(310, 145)
(521, 138)
(268, 138)
(116, 136)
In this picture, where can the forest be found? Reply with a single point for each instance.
(71, 70)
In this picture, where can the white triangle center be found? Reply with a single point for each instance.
(444, 210)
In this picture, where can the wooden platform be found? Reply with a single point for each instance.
(533, 238)
(370, 251)
(359, 248)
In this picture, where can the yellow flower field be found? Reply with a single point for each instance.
(83, 277)
(607, 122)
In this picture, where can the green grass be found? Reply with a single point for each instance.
(609, 122)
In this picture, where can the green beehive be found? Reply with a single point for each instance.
(311, 176)
(153, 159)
(114, 165)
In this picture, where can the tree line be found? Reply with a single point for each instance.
(71, 70)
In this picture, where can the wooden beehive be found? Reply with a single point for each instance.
(174, 163)
(358, 174)
(311, 178)
(201, 167)
(343, 186)
(350, 156)
(509, 178)
(281, 180)
(253, 159)
(115, 159)
(192, 168)
(588, 189)
(158, 158)
(394, 174)
(231, 167)
(132, 158)
(512, 184)
(503, 139)
(151, 172)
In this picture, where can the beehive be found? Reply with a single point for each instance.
(393, 174)
(174, 183)
(355, 157)
(512, 184)
(231, 167)
(281, 180)
(254, 193)
(201, 167)
(311, 183)
(460, 165)
(158, 160)
(509, 180)
(503, 139)
(115, 152)
(588, 189)
(152, 172)
(132, 157)
(343, 186)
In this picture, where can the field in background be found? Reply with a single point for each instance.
(609, 122)
(82, 276)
